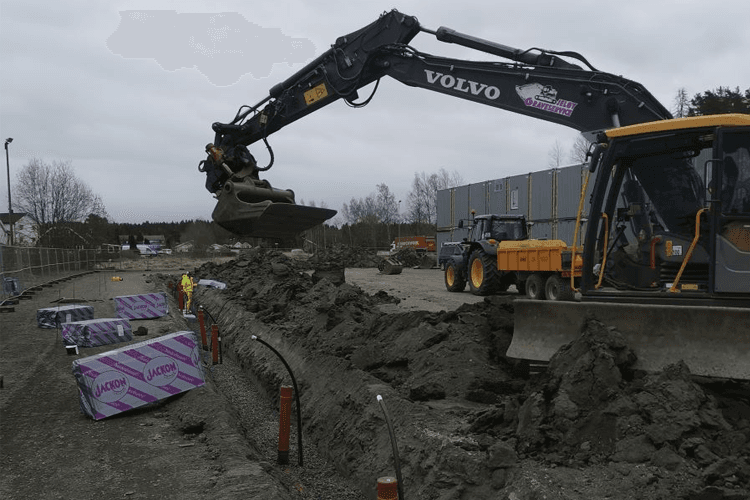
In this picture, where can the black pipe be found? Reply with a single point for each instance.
(394, 446)
(296, 394)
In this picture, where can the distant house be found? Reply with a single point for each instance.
(24, 229)
(154, 239)
(184, 247)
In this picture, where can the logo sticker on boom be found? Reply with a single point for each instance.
(544, 97)
(462, 85)
(315, 94)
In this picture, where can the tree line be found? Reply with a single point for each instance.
(67, 213)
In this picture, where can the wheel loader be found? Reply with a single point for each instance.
(665, 255)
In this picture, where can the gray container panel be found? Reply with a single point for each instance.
(569, 182)
(565, 230)
(541, 195)
(478, 198)
(444, 209)
(442, 237)
(518, 195)
(541, 231)
(498, 196)
(461, 203)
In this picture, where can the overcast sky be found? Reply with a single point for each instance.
(127, 90)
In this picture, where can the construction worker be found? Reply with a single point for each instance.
(188, 285)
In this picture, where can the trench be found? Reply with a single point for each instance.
(346, 441)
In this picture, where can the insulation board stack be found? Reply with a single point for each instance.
(54, 317)
(138, 374)
(97, 332)
(143, 306)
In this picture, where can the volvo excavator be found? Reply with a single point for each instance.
(666, 245)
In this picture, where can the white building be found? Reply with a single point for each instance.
(24, 229)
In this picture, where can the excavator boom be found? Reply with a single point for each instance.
(668, 219)
(535, 83)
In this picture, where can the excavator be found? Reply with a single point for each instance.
(666, 245)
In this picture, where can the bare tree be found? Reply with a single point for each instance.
(52, 193)
(386, 205)
(681, 103)
(556, 155)
(422, 199)
(360, 210)
(579, 151)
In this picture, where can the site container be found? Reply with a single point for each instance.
(548, 198)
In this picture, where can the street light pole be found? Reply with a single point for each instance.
(10, 207)
(399, 218)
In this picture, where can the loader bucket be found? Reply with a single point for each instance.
(389, 266)
(257, 210)
(428, 261)
(712, 341)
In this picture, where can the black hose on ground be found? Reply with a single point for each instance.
(296, 393)
(396, 461)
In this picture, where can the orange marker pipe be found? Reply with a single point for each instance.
(180, 299)
(285, 412)
(215, 343)
(387, 488)
(202, 323)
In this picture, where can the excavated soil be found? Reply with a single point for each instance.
(469, 423)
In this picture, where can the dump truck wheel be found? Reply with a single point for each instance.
(558, 288)
(483, 276)
(454, 280)
(535, 287)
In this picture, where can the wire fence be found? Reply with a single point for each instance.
(27, 267)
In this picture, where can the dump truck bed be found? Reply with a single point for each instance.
(537, 256)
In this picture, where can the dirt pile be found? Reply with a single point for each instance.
(346, 256)
(592, 408)
(467, 422)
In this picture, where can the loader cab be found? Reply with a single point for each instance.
(675, 203)
(498, 228)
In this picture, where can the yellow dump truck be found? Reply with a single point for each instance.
(542, 267)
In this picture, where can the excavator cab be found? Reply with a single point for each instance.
(677, 209)
(666, 257)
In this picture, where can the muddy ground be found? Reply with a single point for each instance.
(469, 424)
(468, 421)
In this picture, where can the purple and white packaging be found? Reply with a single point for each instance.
(138, 374)
(97, 332)
(54, 317)
(143, 306)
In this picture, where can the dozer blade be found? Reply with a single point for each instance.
(260, 211)
(712, 341)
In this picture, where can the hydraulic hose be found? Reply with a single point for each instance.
(396, 462)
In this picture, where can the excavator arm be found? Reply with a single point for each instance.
(537, 83)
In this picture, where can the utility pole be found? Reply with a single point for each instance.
(10, 207)
(399, 218)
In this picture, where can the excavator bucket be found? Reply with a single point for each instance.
(712, 341)
(256, 209)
